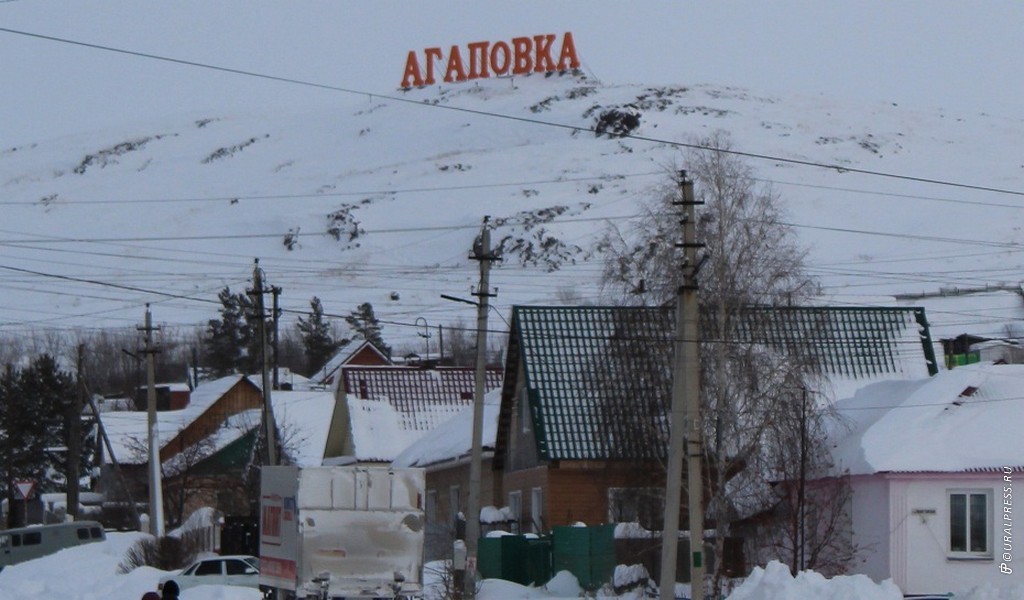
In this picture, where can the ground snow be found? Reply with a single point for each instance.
(774, 582)
(90, 572)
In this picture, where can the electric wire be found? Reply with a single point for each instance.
(488, 114)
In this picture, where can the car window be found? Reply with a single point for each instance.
(191, 569)
(237, 567)
(33, 538)
(253, 562)
(83, 533)
(209, 567)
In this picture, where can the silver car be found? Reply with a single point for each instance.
(242, 570)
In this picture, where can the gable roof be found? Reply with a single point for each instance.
(128, 430)
(390, 407)
(964, 419)
(365, 353)
(598, 379)
(453, 439)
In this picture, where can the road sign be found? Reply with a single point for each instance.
(24, 489)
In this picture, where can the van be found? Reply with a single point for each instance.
(26, 543)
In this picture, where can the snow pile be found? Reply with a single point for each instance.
(774, 582)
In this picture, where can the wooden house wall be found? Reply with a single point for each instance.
(241, 397)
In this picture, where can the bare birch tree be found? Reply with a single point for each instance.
(752, 260)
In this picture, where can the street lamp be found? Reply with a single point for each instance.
(425, 335)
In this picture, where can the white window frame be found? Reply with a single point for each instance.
(454, 503)
(967, 553)
(431, 507)
(515, 506)
(536, 509)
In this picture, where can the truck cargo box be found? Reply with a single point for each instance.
(342, 532)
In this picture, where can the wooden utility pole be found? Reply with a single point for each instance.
(156, 496)
(269, 425)
(685, 433)
(481, 252)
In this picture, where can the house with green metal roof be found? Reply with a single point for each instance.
(583, 425)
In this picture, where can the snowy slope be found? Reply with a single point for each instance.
(380, 196)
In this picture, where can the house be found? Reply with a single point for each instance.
(206, 445)
(934, 467)
(445, 453)
(380, 410)
(582, 430)
(364, 354)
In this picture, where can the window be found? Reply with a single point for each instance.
(431, 510)
(237, 567)
(454, 503)
(524, 411)
(645, 506)
(536, 509)
(210, 567)
(515, 506)
(969, 523)
(83, 533)
(33, 539)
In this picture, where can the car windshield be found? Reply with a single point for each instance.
(253, 562)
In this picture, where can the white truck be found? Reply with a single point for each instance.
(328, 533)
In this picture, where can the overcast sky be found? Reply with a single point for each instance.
(964, 57)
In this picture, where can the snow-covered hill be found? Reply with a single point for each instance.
(379, 199)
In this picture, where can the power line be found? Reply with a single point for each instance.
(575, 128)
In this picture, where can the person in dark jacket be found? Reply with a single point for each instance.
(170, 591)
(151, 596)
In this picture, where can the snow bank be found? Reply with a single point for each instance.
(774, 582)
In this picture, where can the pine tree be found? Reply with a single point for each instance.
(317, 341)
(364, 322)
(33, 407)
(231, 341)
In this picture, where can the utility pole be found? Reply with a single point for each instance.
(269, 426)
(75, 439)
(481, 252)
(276, 292)
(685, 433)
(156, 495)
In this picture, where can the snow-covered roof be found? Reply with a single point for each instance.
(304, 419)
(391, 407)
(964, 419)
(453, 439)
(127, 430)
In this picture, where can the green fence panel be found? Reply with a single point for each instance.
(586, 552)
(505, 557)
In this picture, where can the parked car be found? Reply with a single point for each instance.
(239, 569)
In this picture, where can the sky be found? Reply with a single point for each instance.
(954, 55)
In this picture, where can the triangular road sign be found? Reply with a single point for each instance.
(25, 489)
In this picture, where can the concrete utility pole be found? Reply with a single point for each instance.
(481, 252)
(269, 425)
(75, 439)
(156, 494)
(685, 418)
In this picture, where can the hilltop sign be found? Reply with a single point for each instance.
(520, 56)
